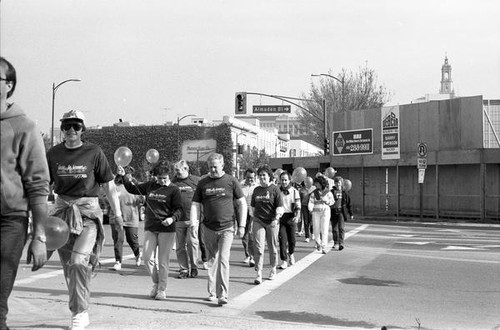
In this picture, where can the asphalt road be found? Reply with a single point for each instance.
(398, 275)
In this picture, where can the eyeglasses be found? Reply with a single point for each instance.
(4, 79)
(75, 126)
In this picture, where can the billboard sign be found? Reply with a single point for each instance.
(198, 150)
(390, 132)
(352, 142)
(272, 109)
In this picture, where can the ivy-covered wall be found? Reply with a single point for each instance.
(139, 139)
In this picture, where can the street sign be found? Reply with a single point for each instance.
(352, 142)
(422, 149)
(421, 175)
(421, 163)
(272, 109)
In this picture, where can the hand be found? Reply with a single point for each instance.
(120, 171)
(274, 223)
(167, 222)
(296, 219)
(241, 231)
(38, 253)
(118, 220)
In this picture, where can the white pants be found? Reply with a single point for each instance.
(321, 224)
(158, 267)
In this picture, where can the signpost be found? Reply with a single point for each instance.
(272, 109)
(352, 142)
(421, 166)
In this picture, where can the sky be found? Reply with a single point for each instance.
(152, 61)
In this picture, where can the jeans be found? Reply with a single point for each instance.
(338, 226)
(218, 244)
(203, 248)
(265, 232)
(132, 236)
(75, 257)
(306, 219)
(158, 270)
(247, 239)
(288, 227)
(186, 246)
(13, 234)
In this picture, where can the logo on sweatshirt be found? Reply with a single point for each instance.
(75, 171)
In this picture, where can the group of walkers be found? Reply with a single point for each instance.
(200, 214)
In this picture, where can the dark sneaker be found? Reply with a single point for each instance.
(183, 275)
(194, 273)
(341, 247)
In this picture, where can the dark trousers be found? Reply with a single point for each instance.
(288, 227)
(337, 221)
(203, 248)
(119, 233)
(13, 235)
(247, 239)
(307, 220)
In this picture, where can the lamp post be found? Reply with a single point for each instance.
(179, 133)
(237, 150)
(341, 81)
(54, 89)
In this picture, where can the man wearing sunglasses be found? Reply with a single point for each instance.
(77, 170)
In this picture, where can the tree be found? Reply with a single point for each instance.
(360, 91)
(253, 158)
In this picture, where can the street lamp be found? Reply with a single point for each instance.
(341, 81)
(237, 153)
(178, 133)
(54, 89)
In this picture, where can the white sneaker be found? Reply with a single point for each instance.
(117, 266)
(154, 291)
(307, 240)
(211, 297)
(80, 321)
(161, 295)
(284, 265)
(272, 274)
(138, 260)
(292, 259)
(247, 260)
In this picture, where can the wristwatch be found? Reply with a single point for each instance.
(42, 239)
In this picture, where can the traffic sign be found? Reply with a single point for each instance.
(422, 149)
(421, 163)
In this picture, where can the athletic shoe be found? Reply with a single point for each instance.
(183, 275)
(318, 247)
(222, 301)
(247, 260)
(292, 259)
(194, 273)
(211, 297)
(154, 290)
(341, 247)
(80, 321)
(284, 265)
(323, 251)
(336, 247)
(272, 274)
(161, 295)
(138, 259)
(117, 266)
(258, 279)
(251, 263)
(307, 240)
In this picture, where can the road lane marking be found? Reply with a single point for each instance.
(55, 273)
(414, 243)
(454, 247)
(249, 297)
(441, 258)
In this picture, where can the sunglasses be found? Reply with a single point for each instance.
(75, 126)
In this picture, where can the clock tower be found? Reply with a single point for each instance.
(446, 81)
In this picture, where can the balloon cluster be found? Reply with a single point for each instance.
(56, 232)
(299, 174)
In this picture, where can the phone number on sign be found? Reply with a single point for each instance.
(359, 147)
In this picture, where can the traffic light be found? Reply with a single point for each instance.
(240, 149)
(240, 103)
(327, 147)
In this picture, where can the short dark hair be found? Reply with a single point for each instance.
(266, 169)
(10, 74)
(162, 167)
(249, 170)
(286, 173)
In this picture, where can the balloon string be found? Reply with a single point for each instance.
(145, 200)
